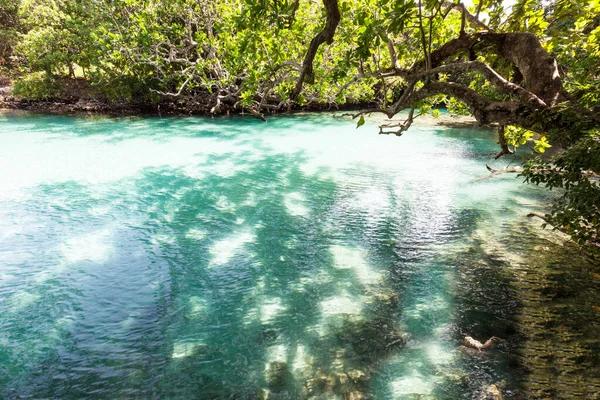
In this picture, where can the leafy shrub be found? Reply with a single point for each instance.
(36, 86)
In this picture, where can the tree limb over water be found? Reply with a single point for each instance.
(531, 71)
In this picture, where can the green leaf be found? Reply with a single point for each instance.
(360, 122)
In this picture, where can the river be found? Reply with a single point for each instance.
(298, 258)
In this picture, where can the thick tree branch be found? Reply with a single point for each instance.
(539, 69)
(505, 85)
(451, 48)
(325, 36)
(492, 76)
(484, 110)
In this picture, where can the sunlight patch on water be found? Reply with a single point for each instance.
(162, 238)
(438, 354)
(197, 306)
(429, 304)
(224, 205)
(51, 271)
(179, 193)
(225, 169)
(342, 304)
(410, 386)
(197, 172)
(95, 246)
(295, 204)
(270, 309)
(21, 300)
(225, 249)
(302, 361)
(354, 260)
(196, 234)
(321, 278)
(251, 316)
(100, 210)
(185, 348)
(373, 200)
(251, 200)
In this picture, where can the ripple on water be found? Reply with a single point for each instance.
(303, 258)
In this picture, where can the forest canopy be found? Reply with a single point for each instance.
(531, 70)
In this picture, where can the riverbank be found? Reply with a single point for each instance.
(90, 106)
(79, 99)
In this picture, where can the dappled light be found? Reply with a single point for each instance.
(268, 263)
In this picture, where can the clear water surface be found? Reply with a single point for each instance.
(299, 258)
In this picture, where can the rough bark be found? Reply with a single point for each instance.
(492, 76)
(539, 69)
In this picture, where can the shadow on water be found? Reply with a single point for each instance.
(86, 318)
(220, 287)
(246, 277)
(541, 295)
(248, 285)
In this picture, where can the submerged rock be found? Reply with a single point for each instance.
(262, 394)
(322, 382)
(358, 377)
(346, 385)
(277, 375)
(267, 335)
(492, 392)
(356, 395)
(371, 339)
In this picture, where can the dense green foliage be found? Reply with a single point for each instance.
(249, 54)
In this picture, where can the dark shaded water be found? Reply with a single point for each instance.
(301, 258)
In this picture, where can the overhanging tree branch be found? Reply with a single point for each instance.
(492, 76)
(325, 36)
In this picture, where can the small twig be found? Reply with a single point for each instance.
(503, 143)
(402, 125)
(538, 215)
(495, 172)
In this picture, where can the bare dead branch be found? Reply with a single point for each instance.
(255, 113)
(537, 215)
(402, 126)
(496, 172)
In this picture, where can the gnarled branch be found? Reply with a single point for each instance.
(325, 36)
(492, 76)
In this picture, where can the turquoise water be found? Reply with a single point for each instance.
(299, 258)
